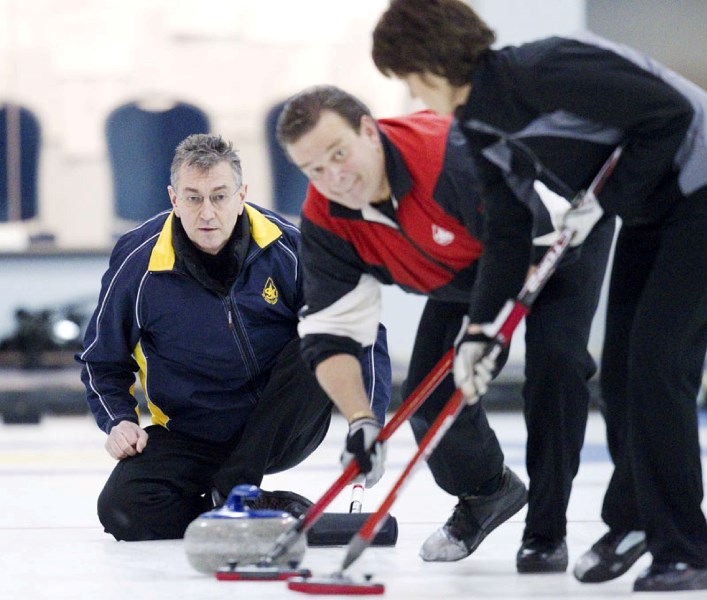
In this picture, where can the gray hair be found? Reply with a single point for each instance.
(204, 151)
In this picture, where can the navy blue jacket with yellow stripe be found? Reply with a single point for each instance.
(203, 358)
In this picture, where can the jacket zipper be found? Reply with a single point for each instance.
(239, 337)
(230, 316)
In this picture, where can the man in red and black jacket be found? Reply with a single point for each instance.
(394, 201)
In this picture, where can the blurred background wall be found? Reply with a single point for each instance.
(72, 62)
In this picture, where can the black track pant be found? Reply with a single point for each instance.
(469, 454)
(157, 493)
(556, 396)
(557, 369)
(656, 338)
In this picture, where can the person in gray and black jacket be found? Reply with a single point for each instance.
(540, 120)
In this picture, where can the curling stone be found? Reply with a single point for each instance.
(235, 534)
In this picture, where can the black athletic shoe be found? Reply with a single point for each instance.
(540, 555)
(474, 517)
(673, 577)
(289, 502)
(610, 557)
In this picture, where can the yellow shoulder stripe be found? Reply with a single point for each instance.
(162, 256)
(262, 230)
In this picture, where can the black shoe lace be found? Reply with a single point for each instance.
(462, 523)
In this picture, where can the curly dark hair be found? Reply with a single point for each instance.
(442, 37)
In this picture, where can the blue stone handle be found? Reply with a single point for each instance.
(238, 495)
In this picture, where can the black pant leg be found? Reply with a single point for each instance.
(288, 423)
(156, 494)
(557, 369)
(633, 262)
(666, 352)
(469, 454)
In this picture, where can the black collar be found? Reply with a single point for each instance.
(215, 272)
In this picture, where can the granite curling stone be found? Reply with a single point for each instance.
(236, 534)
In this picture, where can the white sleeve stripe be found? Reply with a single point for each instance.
(110, 289)
(291, 253)
(370, 356)
(138, 298)
(105, 406)
(355, 315)
(283, 224)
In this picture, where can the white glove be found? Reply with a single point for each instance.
(472, 370)
(361, 444)
(582, 218)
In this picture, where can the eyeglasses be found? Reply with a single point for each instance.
(218, 200)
